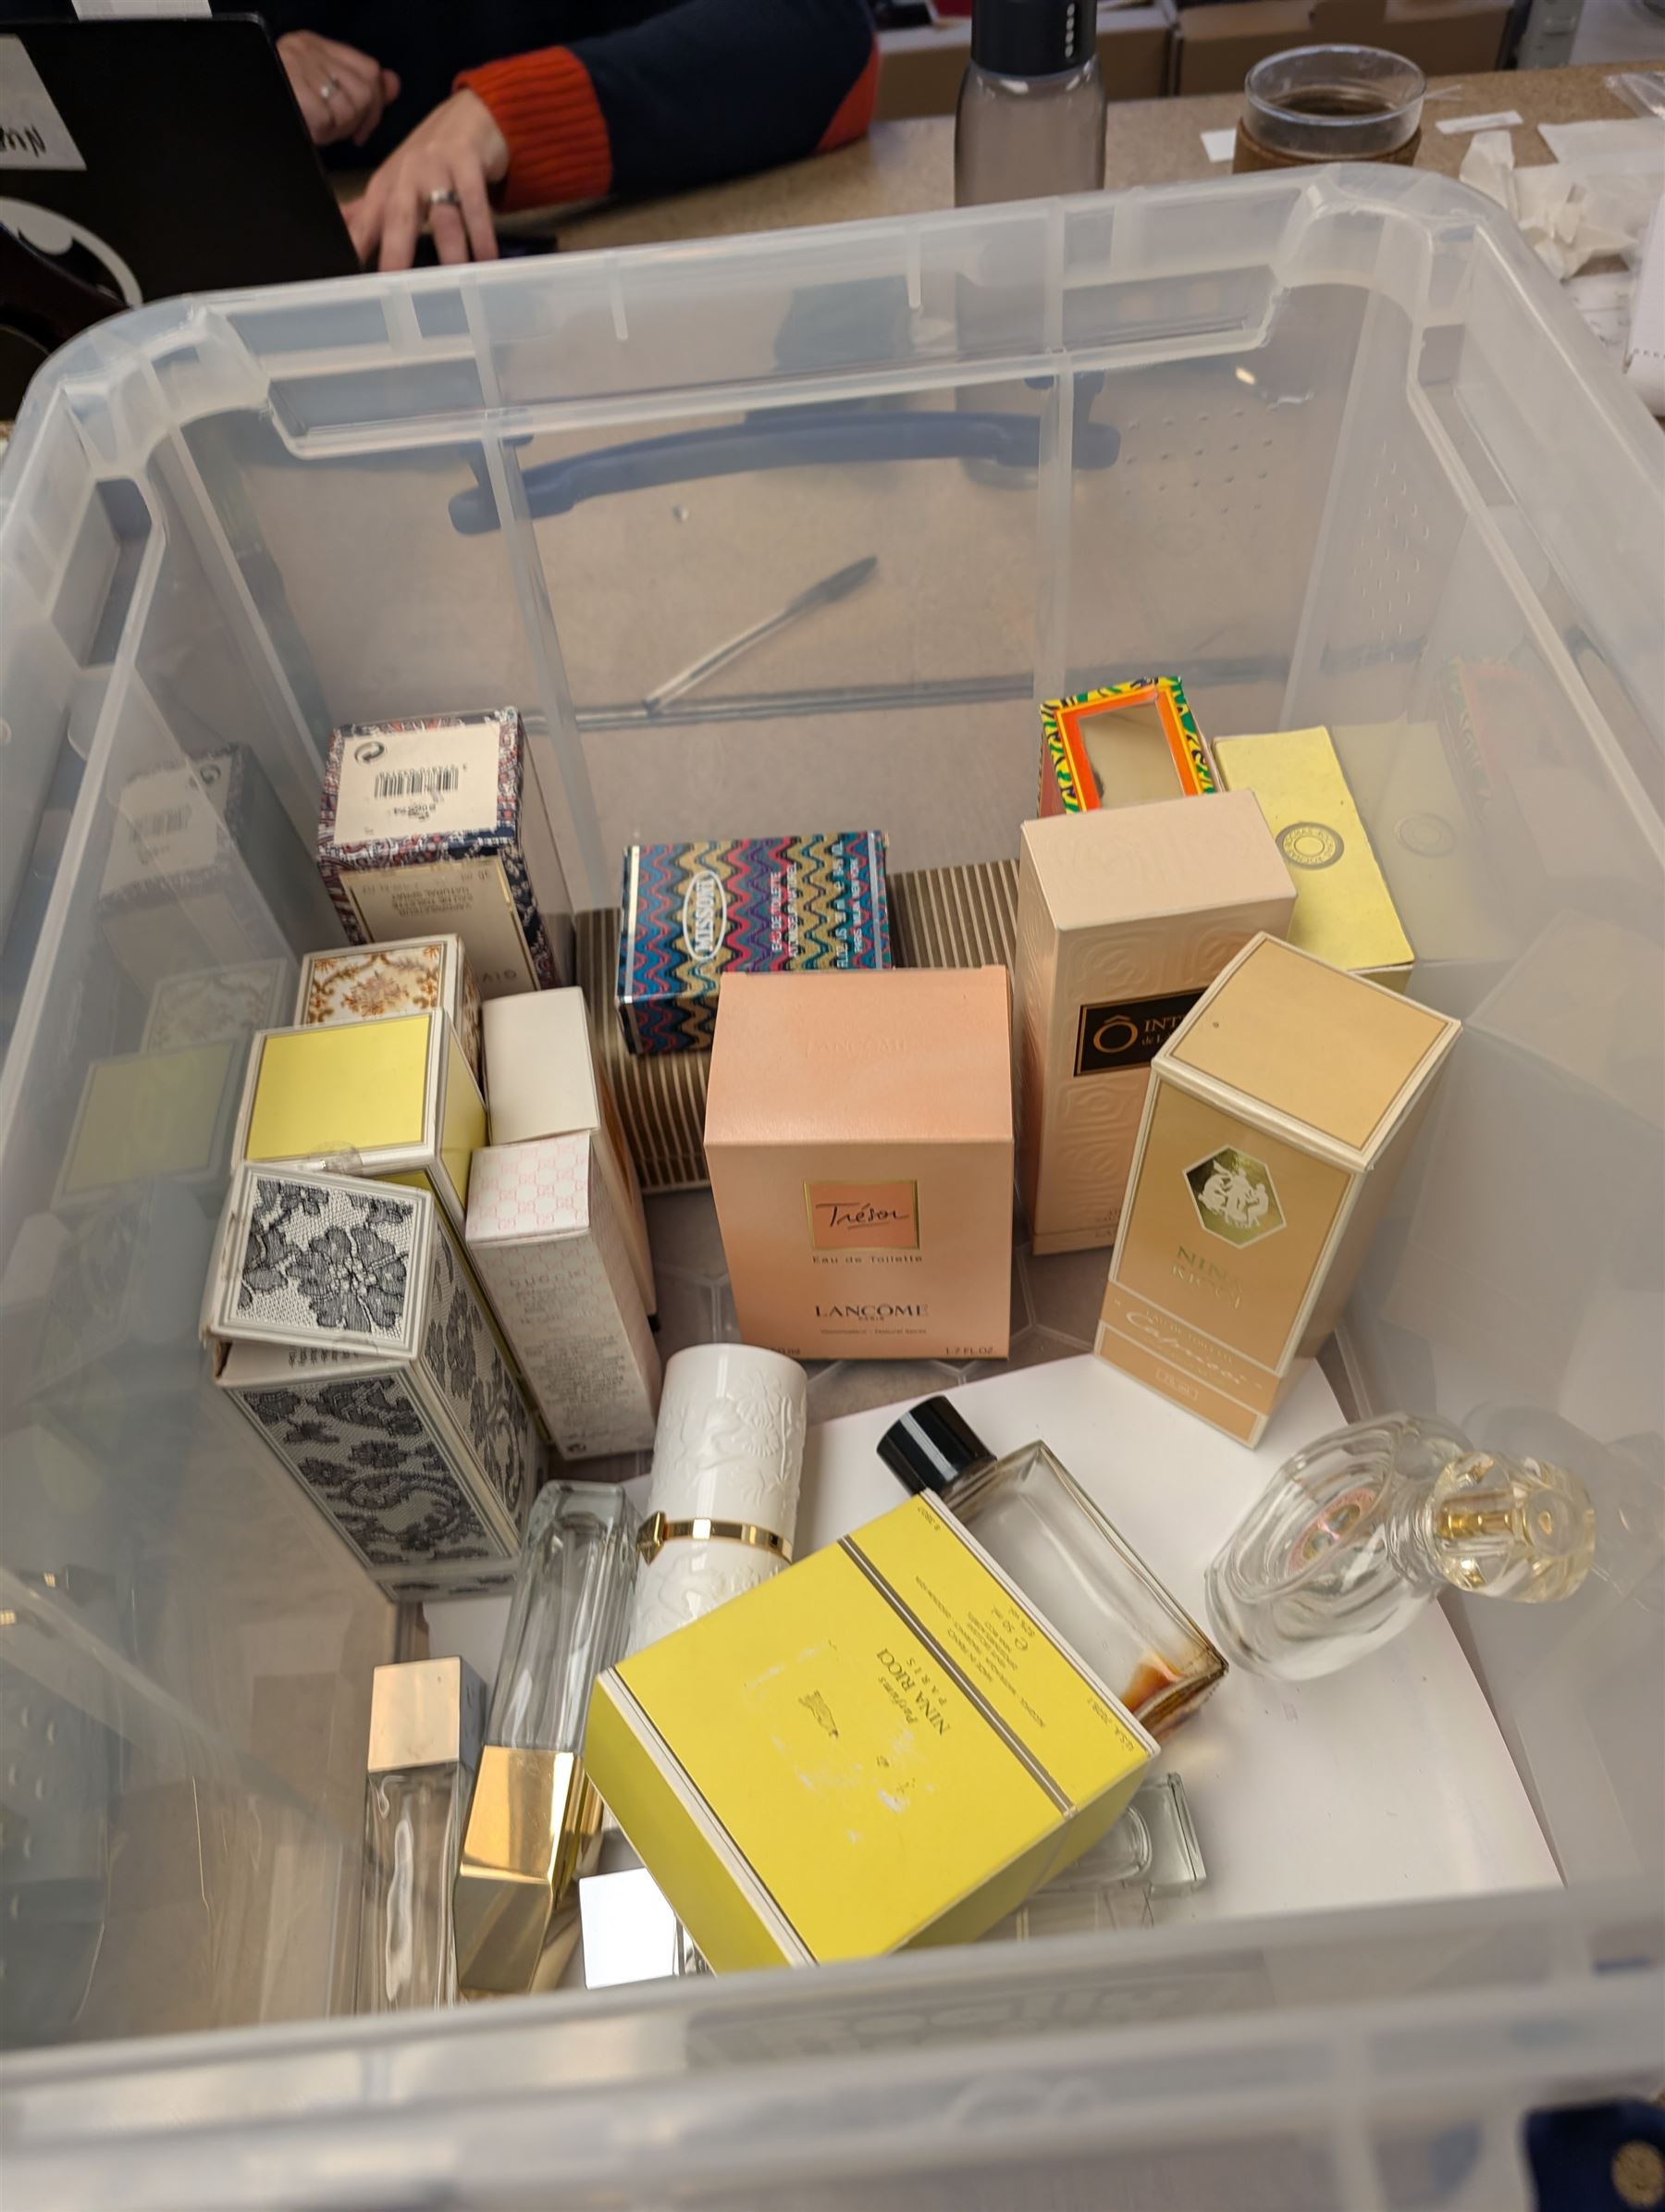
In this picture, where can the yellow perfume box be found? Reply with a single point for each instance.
(393, 1099)
(881, 1746)
(1278, 1115)
(1344, 909)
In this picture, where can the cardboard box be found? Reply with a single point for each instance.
(438, 825)
(347, 1329)
(1123, 917)
(551, 1251)
(416, 975)
(1215, 48)
(545, 1082)
(921, 72)
(881, 1746)
(1343, 912)
(1280, 1113)
(858, 1130)
(696, 914)
(1121, 745)
(393, 1099)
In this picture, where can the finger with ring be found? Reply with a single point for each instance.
(328, 89)
(445, 196)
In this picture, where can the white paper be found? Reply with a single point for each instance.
(1566, 219)
(32, 133)
(1219, 145)
(1504, 118)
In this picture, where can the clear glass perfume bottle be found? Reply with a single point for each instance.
(1032, 1517)
(536, 1816)
(425, 1718)
(1151, 1852)
(1355, 1535)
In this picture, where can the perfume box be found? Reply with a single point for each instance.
(1278, 1114)
(419, 975)
(695, 914)
(1343, 911)
(545, 1082)
(439, 826)
(393, 1098)
(859, 1134)
(1122, 745)
(550, 1250)
(881, 1746)
(346, 1327)
(206, 1005)
(1123, 920)
(145, 1115)
(202, 861)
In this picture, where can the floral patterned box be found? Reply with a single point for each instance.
(204, 1005)
(346, 1327)
(440, 824)
(416, 976)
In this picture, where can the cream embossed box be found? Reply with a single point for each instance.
(415, 976)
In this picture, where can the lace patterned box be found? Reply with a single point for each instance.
(417, 975)
(346, 1327)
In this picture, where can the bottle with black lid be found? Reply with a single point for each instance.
(1031, 110)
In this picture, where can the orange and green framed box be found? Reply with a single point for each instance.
(1120, 746)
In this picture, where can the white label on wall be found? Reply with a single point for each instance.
(32, 133)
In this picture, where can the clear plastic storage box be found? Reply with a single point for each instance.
(1329, 445)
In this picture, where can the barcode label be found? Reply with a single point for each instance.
(413, 782)
(167, 823)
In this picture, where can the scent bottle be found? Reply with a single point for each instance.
(1353, 1536)
(535, 1817)
(425, 1720)
(1151, 1852)
(1031, 119)
(1035, 1521)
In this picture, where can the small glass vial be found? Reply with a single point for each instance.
(1355, 1535)
(425, 1723)
(1030, 121)
(1035, 1521)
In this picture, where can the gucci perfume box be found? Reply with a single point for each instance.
(440, 826)
(392, 1098)
(346, 1328)
(859, 1134)
(881, 1747)
(1122, 745)
(549, 1249)
(1344, 912)
(545, 1082)
(696, 914)
(417, 975)
(1278, 1115)
(1124, 917)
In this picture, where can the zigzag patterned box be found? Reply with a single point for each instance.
(693, 913)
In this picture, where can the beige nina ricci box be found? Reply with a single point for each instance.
(1124, 917)
(1280, 1113)
(858, 1129)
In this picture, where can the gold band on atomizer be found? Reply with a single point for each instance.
(657, 1531)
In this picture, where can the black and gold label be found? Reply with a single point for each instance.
(1128, 1033)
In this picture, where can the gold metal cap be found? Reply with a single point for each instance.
(532, 1827)
(424, 1712)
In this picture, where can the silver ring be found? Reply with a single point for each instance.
(445, 197)
(328, 89)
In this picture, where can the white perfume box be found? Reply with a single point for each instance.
(548, 1248)
(545, 1082)
(415, 976)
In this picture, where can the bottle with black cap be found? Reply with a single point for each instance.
(1038, 1525)
(1031, 110)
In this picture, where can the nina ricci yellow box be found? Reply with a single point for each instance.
(885, 1746)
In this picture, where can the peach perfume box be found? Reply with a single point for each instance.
(1124, 917)
(1278, 1115)
(858, 1129)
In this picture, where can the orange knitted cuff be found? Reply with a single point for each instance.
(545, 106)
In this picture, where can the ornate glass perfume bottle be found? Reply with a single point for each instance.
(536, 1814)
(1032, 1517)
(1354, 1535)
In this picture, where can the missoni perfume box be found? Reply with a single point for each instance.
(882, 1746)
(1123, 917)
(1278, 1114)
(694, 914)
(1121, 745)
(551, 1251)
(418, 975)
(347, 1329)
(440, 824)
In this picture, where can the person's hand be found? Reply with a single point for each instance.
(341, 91)
(436, 179)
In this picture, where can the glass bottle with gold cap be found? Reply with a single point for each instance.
(1355, 1535)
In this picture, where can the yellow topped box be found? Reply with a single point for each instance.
(882, 1747)
(393, 1099)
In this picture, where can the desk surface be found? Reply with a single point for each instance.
(907, 167)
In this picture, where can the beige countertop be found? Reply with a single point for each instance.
(907, 167)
